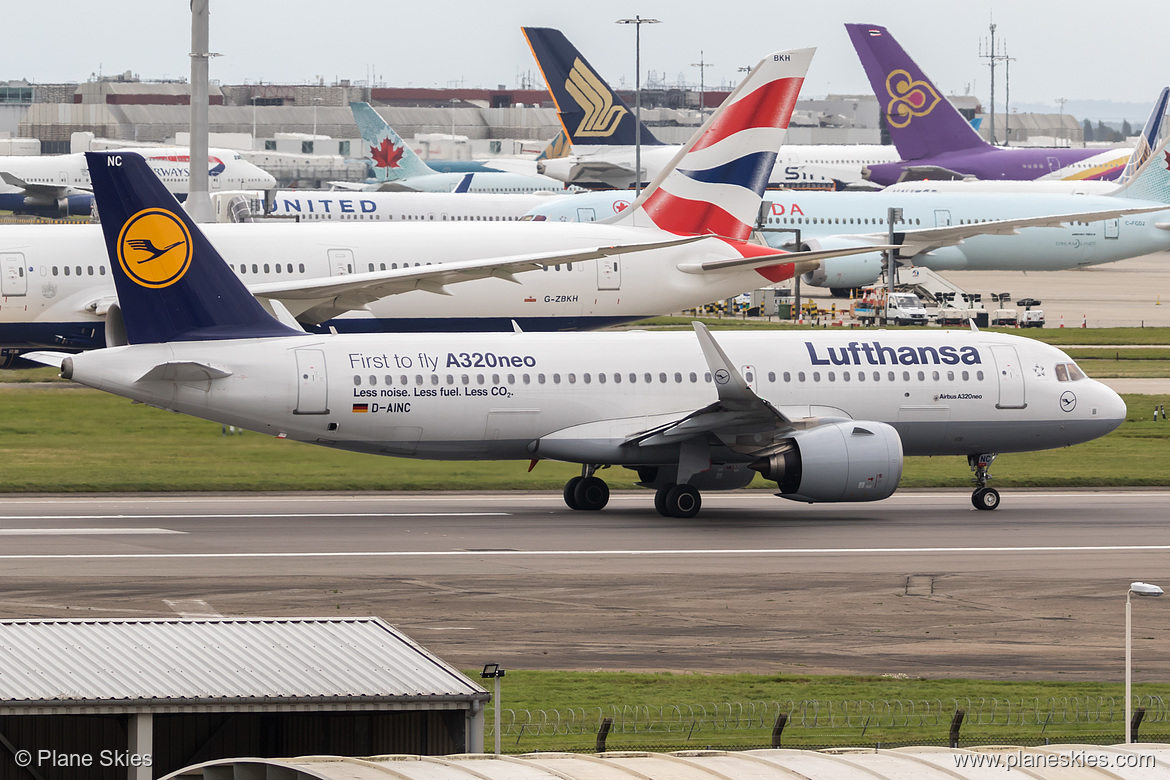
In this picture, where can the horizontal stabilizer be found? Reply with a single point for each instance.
(45, 357)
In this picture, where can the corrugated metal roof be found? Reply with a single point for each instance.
(1062, 762)
(220, 660)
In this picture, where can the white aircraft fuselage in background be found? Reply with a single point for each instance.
(57, 288)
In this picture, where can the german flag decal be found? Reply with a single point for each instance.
(361, 408)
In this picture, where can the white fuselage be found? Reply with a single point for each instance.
(56, 282)
(796, 165)
(317, 206)
(495, 182)
(497, 396)
(227, 170)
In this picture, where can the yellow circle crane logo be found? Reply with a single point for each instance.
(154, 248)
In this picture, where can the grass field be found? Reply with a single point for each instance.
(679, 711)
(78, 440)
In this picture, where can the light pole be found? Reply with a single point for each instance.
(1141, 589)
(638, 21)
(493, 671)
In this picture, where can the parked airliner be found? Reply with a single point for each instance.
(58, 185)
(935, 141)
(946, 230)
(827, 416)
(341, 206)
(397, 167)
(684, 244)
(601, 128)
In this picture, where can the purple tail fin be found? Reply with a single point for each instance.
(922, 122)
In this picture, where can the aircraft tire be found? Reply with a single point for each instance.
(660, 500)
(985, 498)
(570, 492)
(683, 501)
(591, 494)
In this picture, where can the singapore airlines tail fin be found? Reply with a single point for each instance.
(557, 148)
(591, 112)
(1152, 180)
(172, 285)
(1148, 138)
(921, 121)
(715, 183)
(393, 159)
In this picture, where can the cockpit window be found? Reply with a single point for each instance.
(1068, 372)
(1061, 372)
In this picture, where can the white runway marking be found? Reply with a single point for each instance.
(276, 515)
(83, 531)
(795, 551)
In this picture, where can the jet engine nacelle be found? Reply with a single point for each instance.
(843, 272)
(858, 460)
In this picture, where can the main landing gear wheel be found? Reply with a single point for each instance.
(985, 498)
(570, 492)
(678, 501)
(590, 494)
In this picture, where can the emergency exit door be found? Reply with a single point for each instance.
(312, 382)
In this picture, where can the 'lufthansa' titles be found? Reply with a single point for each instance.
(874, 353)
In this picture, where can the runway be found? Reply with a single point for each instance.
(921, 584)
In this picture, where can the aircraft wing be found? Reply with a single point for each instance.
(314, 301)
(922, 240)
(804, 261)
(53, 191)
(739, 418)
(930, 172)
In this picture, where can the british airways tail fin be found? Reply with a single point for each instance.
(921, 121)
(172, 285)
(393, 159)
(590, 111)
(715, 183)
(1152, 180)
(1149, 137)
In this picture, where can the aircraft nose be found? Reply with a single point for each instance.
(1110, 407)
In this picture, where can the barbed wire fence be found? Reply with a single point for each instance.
(730, 720)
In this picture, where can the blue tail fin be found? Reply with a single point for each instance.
(590, 111)
(172, 285)
(922, 122)
(393, 159)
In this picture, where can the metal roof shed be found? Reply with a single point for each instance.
(184, 690)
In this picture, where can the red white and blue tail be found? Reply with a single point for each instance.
(714, 185)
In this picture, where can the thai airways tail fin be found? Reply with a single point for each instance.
(716, 181)
(922, 123)
(172, 284)
(1148, 139)
(590, 111)
(392, 158)
(1152, 180)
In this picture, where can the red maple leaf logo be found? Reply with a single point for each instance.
(386, 154)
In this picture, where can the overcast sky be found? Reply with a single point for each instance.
(1075, 50)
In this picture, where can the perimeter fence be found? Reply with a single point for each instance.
(826, 723)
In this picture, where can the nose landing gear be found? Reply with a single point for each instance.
(984, 497)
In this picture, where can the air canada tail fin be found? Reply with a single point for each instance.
(921, 121)
(393, 159)
(172, 285)
(1152, 180)
(590, 111)
(1149, 137)
(715, 183)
